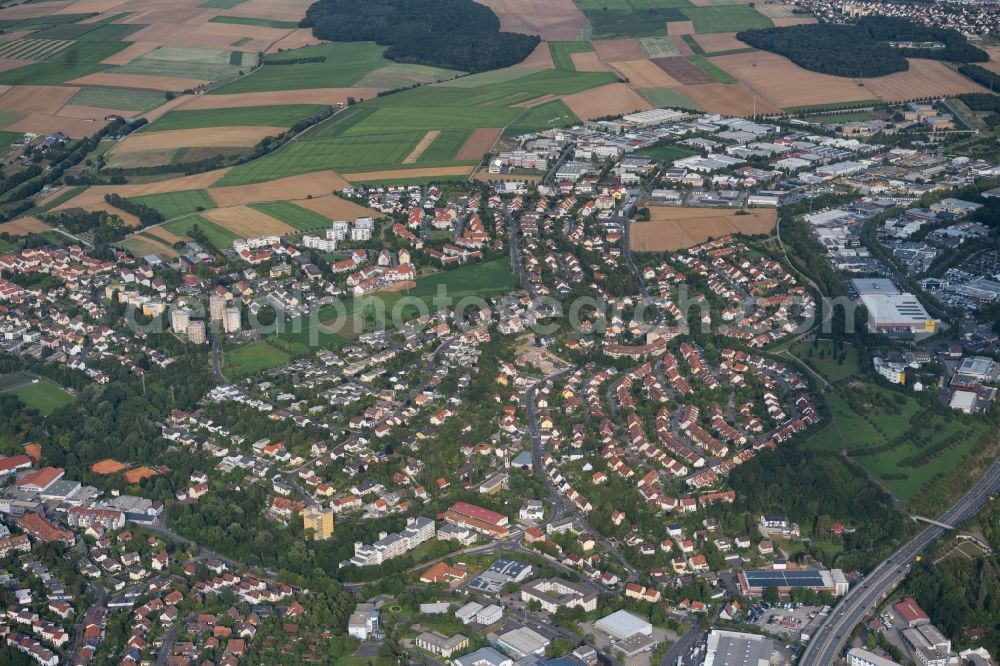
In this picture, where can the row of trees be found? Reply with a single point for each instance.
(456, 34)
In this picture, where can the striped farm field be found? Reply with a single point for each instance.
(247, 222)
(218, 236)
(175, 204)
(33, 49)
(445, 146)
(275, 116)
(302, 219)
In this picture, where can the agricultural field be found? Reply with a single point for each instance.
(562, 53)
(674, 228)
(136, 101)
(274, 116)
(205, 64)
(726, 18)
(175, 204)
(259, 22)
(45, 396)
(301, 218)
(219, 236)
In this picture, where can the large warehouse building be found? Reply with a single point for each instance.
(896, 313)
(753, 583)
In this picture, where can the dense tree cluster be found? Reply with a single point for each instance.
(981, 101)
(862, 50)
(814, 489)
(146, 214)
(981, 75)
(456, 34)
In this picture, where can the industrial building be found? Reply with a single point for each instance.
(833, 581)
(896, 313)
(733, 648)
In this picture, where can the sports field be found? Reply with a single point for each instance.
(45, 396)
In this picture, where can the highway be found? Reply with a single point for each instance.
(829, 640)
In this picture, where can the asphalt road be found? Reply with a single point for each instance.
(829, 640)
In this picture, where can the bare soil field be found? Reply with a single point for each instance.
(784, 22)
(610, 100)
(924, 78)
(673, 228)
(619, 49)
(719, 41)
(683, 70)
(329, 96)
(89, 6)
(680, 27)
(683, 47)
(168, 236)
(40, 123)
(140, 81)
(24, 226)
(7, 64)
(727, 98)
(247, 222)
(421, 146)
(37, 99)
(644, 74)
(316, 184)
(130, 53)
(776, 10)
(129, 219)
(552, 20)
(296, 39)
(587, 61)
(785, 84)
(214, 137)
(541, 58)
(95, 194)
(335, 208)
(33, 10)
(142, 158)
(91, 112)
(279, 10)
(138, 246)
(401, 174)
(478, 144)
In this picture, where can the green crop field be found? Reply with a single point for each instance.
(543, 116)
(270, 116)
(668, 97)
(345, 65)
(175, 204)
(630, 5)
(8, 138)
(45, 396)
(726, 18)
(137, 101)
(562, 52)
(491, 77)
(664, 153)
(713, 70)
(207, 64)
(403, 75)
(259, 22)
(616, 23)
(80, 59)
(445, 146)
(301, 218)
(219, 236)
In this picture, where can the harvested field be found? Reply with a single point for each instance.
(672, 228)
(994, 64)
(717, 42)
(211, 137)
(683, 70)
(552, 20)
(107, 466)
(587, 61)
(680, 27)
(619, 49)
(316, 184)
(33, 49)
(168, 236)
(24, 226)
(91, 6)
(247, 222)
(91, 112)
(419, 149)
(644, 74)
(142, 158)
(725, 98)
(95, 195)
(404, 174)
(610, 100)
(659, 47)
(775, 10)
(40, 123)
(139, 246)
(209, 35)
(335, 208)
(37, 99)
(924, 78)
(785, 22)
(278, 10)
(478, 144)
(130, 53)
(163, 108)
(140, 81)
(32, 10)
(785, 84)
(541, 58)
(683, 48)
(296, 39)
(7, 64)
(328, 96)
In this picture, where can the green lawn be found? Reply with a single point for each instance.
(218, 235)
(726, 18)
(562, 52)
(269, 116)
(822, 358)
(345, 64)
(253, 357)
(664, 153)
(259, 22)
(301, 218)
(175, 204)
(720, 75)
(45, 396)
(668, 97)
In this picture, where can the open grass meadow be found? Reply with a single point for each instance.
(665, 154)
(175, 204)
(262, 116)
(619, 23)
(301, 218)
(219, 236)
(45, 396)
(125, 99)
(834, 364)
(726, 18)
(254, 357)
(207, 64)
(80, 59)
(562, 52)
(345, 65)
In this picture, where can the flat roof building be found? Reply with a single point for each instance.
(733, 648)
(486, 656)
(522, 641)
(865, 286)
(556, 593)
(896, 313)
(753, 583)
(622, 624)
(859, 657)
(440, 644)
